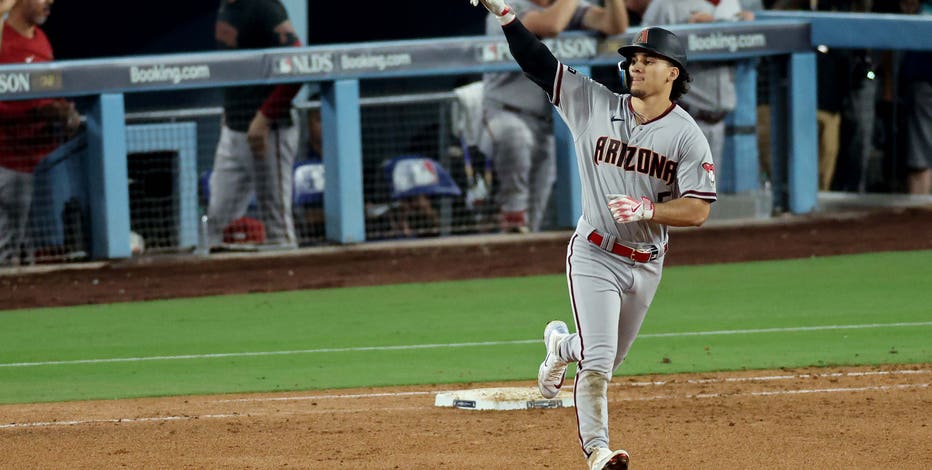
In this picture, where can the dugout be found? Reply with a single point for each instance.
(790, 38)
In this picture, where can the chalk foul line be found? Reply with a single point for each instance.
(41, 424)
(615, 383)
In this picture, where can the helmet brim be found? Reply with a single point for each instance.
(629, 51)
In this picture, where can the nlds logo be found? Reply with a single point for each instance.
(305, 64)
(14, 82)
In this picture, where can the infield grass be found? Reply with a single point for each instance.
(844, 310)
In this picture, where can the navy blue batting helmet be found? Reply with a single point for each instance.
(659, 42)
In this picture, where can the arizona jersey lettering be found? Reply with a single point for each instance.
(662, 159)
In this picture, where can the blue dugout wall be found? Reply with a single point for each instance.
(338, 69)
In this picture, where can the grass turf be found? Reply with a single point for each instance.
(873, 309)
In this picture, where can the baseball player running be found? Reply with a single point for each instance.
(644, 166)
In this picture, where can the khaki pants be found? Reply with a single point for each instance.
(829, 135)
(829, 129)
(763, 137)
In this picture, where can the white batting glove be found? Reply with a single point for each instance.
(628, 209)
(498, 8)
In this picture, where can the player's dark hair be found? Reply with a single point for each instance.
(680, 85)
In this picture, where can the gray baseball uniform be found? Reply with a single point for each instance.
(519, 133)
(15, 200)
(919, 127)
(238, 175)
(662, 159)
(712, 91)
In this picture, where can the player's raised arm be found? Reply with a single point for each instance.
(535, 59)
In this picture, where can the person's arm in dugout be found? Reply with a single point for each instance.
(25, 111)
(610, 20)
(551, 21)
(278, 103)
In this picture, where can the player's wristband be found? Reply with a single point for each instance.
(507, 16)
(499, 8)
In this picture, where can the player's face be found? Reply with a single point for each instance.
(651, 75)
(36, 11)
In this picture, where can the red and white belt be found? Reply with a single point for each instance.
(623, 250)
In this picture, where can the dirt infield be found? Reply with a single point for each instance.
(813, 419)
(827, 418)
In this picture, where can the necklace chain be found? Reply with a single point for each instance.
(639, 117)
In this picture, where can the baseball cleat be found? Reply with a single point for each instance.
(606, 459)
(553, 370)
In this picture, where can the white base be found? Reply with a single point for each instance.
(502, 398)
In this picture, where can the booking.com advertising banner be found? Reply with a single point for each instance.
(422, 57)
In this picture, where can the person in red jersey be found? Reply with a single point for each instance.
(29, 129)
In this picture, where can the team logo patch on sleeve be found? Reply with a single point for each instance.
(710, 169)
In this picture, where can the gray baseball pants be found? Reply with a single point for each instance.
(15, 201)
(238, 175)
(523, 153)
(610, 296)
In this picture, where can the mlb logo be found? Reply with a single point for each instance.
(285, 65)
(494, 52)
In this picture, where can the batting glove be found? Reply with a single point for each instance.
(502, 11)
(628, 209)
